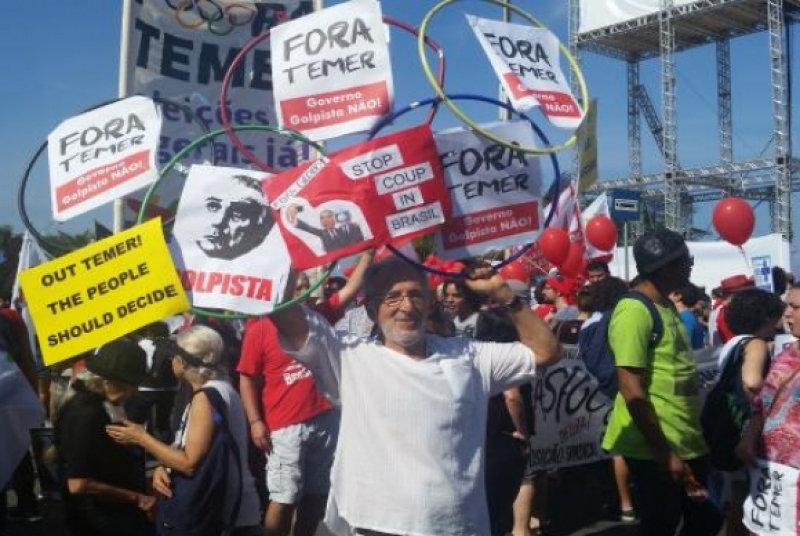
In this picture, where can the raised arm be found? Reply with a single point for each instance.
(533, 332)
(356, 279)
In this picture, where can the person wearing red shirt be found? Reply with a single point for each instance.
(290, 419)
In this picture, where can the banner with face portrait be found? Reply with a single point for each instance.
(228, 251)
(387, 190)
(528, 62)
(495, 191)
(331, 70)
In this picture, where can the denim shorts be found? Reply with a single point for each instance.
(301, 458)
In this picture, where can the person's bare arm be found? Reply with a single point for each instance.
(643, 414)
(356, 279)
(533, 332)
(250, 391)
(756, 354)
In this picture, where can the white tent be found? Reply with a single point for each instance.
(714, 261)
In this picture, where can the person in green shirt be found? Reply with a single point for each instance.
(655, 422)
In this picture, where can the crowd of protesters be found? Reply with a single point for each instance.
(391, 406)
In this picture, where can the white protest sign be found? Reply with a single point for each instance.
(527, 61)
(495, 191)
(228, 251)
(103, 154)
(178, 52)
(771, 507)
(331, 71)
(570, 414)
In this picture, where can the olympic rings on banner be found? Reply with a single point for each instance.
(584, 97)
(52, 247)
(219, 19)
(210, 136)
(389, 118)
(225, 118)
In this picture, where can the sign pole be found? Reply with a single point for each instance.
(625, 245)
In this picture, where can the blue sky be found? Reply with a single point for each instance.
(62, 57)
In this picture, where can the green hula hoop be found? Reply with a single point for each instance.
(426, 68)
(182, 154)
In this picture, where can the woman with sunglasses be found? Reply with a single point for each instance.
(197, 360)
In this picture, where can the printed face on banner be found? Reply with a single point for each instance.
(227, 248)
(101, 292)
(103, 154)
(180, 51)
(387, 190)
(495, 191)
(331, 70)
(527, 60)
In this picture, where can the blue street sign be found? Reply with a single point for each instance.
(624, 205)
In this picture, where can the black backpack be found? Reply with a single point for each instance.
(726, 411)
(196, 505)
(594, 350)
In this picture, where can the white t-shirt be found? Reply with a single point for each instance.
(466, 328)
(250, 509)
(410, 454)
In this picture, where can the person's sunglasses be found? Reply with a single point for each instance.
(171, 349)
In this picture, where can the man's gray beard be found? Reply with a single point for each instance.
(403, 337)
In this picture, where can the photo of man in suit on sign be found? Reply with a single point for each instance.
(336, 229)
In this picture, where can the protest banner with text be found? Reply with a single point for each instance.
(571, 415)
(102, 291)
(179, 53)
(528, 62)
(227, 249)
(103, 154)
(771, 508)
(387, 190)
(495, 191)
(331, 70)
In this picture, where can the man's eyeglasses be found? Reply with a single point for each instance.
(395, 299)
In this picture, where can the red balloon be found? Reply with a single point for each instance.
(734, 220)
(601, 232)
(573, 265)
(516, 271)
(554, 245)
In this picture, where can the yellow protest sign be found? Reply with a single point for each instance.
(102, 292)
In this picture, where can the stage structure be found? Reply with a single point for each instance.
(637, 30)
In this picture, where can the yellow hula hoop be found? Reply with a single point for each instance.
(426, 68)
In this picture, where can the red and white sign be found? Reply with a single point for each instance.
(495, 191)
(527, 61)
(388, 190)
(103, 154)
(226, 247)
(331, 72)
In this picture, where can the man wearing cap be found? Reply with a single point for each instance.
(105, 482)
(561, 292)
(655, 423)
(719, 332)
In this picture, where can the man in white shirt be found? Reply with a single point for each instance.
(410, 452)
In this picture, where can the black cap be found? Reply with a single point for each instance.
(121, 360)
(656, 249)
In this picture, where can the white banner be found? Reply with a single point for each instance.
(570, 416)
(771, 507)
(20, 410)
(101, 155)
(596, 14)
(331, 70)
(180, 51)
(495, 191)
(528, 62)
(226, 246)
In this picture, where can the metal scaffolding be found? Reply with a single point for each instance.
(664, 34)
